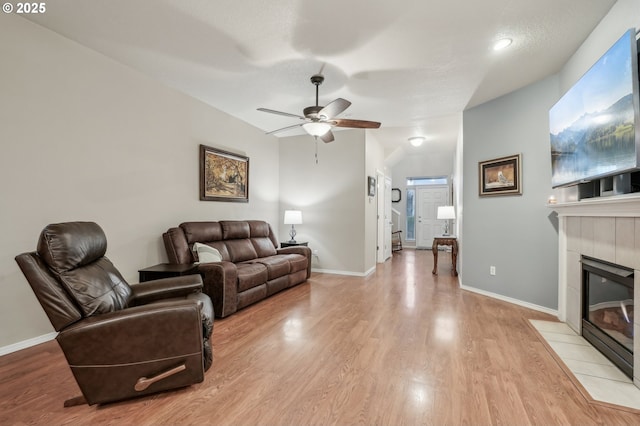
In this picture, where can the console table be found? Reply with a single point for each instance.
(445, 241)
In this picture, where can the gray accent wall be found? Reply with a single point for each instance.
(517, 234)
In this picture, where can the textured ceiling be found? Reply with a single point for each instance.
(413, 65)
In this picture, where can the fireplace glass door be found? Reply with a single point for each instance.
(608, 310)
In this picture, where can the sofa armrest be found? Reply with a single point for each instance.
(302, 250)
(165, 288)
(220, 282)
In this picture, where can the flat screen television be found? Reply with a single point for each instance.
(595, 127)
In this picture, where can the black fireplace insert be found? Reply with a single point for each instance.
(607, 310)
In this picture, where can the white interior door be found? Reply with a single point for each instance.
(384, 217)
(388, 222)
(427, 225)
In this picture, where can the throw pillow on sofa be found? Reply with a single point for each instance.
(206, 254)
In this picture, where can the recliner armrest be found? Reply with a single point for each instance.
(164, 288)
(141, 334)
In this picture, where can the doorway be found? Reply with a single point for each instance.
(384, 217)
(428, 199)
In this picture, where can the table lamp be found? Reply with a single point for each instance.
(446, 213)
(292, 217)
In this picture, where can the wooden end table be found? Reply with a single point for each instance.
(166, 270)
(290, 244)
(445, 240)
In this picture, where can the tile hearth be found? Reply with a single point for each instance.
(598, 376)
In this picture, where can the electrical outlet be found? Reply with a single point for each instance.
(315, 252)
(492, 270)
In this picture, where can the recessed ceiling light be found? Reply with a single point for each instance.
(501, 44)
(416, 140)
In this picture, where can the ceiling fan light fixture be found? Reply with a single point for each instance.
(316, 128)
(502, 44)
(416, 140)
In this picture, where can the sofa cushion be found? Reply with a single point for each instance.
(203, 232)
(240, 250)
(222, 249)
(233, 229)
(264, 247)
(258, 228)
(251, 275)
(277, 266)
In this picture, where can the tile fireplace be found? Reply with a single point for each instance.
(607, 229)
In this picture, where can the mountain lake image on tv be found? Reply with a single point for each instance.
(594, 126)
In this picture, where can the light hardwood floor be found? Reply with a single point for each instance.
(397, 347)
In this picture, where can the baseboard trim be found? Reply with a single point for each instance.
(15, 347)
(535, 307)
(349, 273)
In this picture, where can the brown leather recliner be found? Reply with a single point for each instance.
(120, 341)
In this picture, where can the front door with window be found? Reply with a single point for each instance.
(427, 225)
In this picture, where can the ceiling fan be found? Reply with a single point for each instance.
(319, 120)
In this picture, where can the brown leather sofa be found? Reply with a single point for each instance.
(252, 267)
(120, 341)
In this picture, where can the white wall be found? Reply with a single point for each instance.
(332, 196)
(374, 163)
(85, 138)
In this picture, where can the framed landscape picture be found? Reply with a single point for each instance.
(501, 176)
(224, 176)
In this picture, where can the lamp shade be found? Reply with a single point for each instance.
(316, 128)
(446, 212)
(292, 217)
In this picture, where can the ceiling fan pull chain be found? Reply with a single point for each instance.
(316, 138)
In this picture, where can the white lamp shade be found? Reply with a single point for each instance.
(446, 212)
(316, 128)
(292, 217)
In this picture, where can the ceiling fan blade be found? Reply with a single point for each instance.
(284, 128)
(334, 108)
(357, 124)
(327, 137)
(286, 114)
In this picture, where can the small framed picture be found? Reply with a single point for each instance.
(371, 185)
(396, 195)
(501, 176)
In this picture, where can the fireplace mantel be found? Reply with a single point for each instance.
(627, 205)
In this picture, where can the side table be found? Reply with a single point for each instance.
(295, 243)
(166, 270)
(445, 241)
